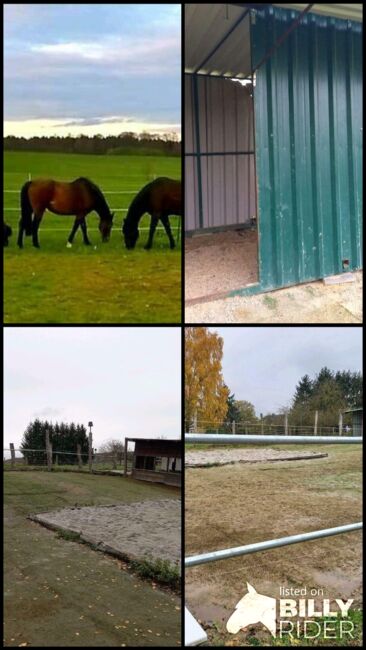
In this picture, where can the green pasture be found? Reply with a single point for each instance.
(106, 284)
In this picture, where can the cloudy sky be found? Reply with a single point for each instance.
(92, 68)
(126, 380)
(263, 364)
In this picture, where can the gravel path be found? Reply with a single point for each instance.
(147, 528)
(226, 456)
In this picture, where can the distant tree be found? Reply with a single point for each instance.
(303, 391)
(113, 447)
(246, 412)
(233, 412)
(64, 438)
(205, 391)
(351, 386)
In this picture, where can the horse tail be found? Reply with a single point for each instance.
(26, 208)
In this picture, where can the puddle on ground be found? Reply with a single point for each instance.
(337, 583)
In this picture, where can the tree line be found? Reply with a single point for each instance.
(209, 401)
(64, 438)
(166, 144)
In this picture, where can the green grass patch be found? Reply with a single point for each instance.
(68, 535)
(162, 571)
(108, 284)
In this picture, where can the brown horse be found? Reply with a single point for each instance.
(79, 198)
(160, 198)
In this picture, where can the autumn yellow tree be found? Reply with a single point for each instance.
(205, 391)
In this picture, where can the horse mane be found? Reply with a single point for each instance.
(138, 204)
(101, 202)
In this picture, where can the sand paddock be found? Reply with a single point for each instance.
(227, 456)
(136, 530)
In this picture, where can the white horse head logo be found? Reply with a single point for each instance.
(253, 608)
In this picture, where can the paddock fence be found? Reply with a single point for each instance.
(237, 427)
(71, 460)
(237, 551)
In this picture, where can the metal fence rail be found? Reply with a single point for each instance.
(193, 560)
(223, 439)
(227, 553)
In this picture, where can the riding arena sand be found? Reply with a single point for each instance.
(146, 529)
(227, 456)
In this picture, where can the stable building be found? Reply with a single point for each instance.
(273, 144)
(159, 461)
(357, 421)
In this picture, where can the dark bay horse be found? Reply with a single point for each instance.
(79, 198)
(7, 233)
(160, 198)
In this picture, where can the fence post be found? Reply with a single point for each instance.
(12, 451)
(233, 427)
(340, 423)
(90, 451)
(56, 460)
(316, 423)
(48, 451)
(126, 446)
(78, 452)
(262, 424)
(286, 424)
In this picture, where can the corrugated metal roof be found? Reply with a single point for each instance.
(347, 11)
(205, 26)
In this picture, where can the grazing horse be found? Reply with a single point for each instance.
(79, 198)
(7, 233)
(160, 198)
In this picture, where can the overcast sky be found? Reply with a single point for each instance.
(126, 380)
(263, 364)
(92, 68)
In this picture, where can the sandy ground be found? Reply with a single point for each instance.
(147, 528)
(225, 456)
(307, 303)
(220, 262)
(241, 504)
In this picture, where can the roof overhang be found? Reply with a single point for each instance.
(217, 36)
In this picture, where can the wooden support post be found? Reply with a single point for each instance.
(316, 423)
(340, 423)
(56, 459)
(262, 424)
(12, 451)
(286, 424)
(126, 449)
(48, 451)
(233, 427)
(90, 451)
(78, 452)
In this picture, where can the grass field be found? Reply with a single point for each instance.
(234, 505)
(59, 593)
(108, 284)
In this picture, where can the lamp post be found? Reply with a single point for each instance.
(90, 424)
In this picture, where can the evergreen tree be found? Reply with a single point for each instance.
(303, 391)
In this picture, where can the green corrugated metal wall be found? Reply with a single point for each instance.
(308, 125)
